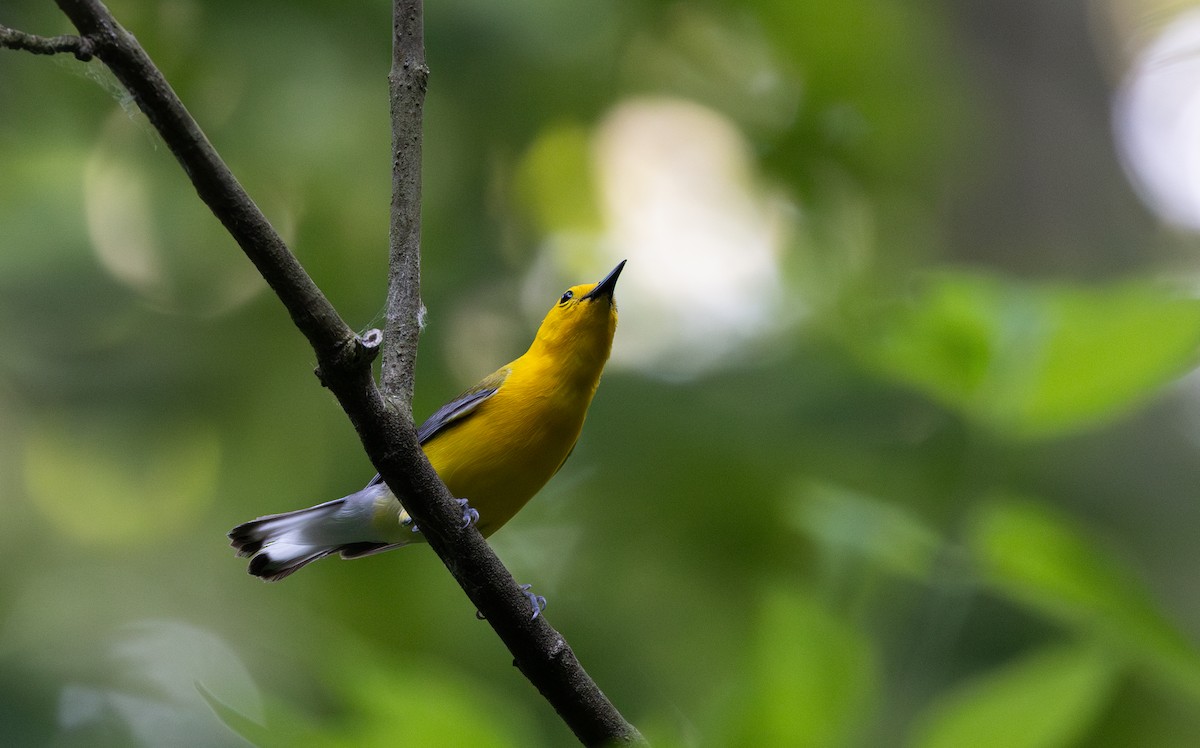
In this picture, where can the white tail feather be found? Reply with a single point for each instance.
(279, 544)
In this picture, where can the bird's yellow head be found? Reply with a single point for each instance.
(581, 325)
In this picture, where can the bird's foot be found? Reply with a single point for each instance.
(536, 602)
(470, 515)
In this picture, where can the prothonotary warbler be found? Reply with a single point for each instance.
(494, 446)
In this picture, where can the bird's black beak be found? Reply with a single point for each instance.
(605, 288)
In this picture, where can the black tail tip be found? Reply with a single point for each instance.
(272, 570)
(245, 540)
(263, 567)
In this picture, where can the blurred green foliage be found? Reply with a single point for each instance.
(938, 488)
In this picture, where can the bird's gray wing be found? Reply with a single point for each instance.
(458, 408)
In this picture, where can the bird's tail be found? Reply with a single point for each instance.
(280, 544)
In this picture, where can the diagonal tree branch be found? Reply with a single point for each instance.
(385, 427)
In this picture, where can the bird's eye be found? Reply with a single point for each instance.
(566, 297)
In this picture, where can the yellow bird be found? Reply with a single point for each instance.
(494, 446)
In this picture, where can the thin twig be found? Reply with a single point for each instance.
(385, 429)
(540, 652)
(79, 46)
(406, 92)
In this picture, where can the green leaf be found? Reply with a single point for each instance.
(1036, 360)
(415, 705)
(1045, 700)
(1041, 560)
(812, 677)
(253, 732)
(845, 522)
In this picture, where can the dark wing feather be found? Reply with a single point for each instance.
(457, 409)
(461, 406)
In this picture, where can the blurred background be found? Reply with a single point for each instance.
(898, 446)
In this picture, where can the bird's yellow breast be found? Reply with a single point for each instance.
(506, 450)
